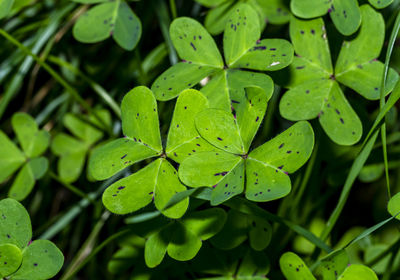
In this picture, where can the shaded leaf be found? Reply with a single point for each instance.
(82, 130)
(394, 205)
(309, 9)
(253, 264)
(33, 141)
(38, 166)
(260, 233)
(11, 157)
(5, 7)
(332, 265)
(23, 183)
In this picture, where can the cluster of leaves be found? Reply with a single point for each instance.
(20, 258)
(207, 160)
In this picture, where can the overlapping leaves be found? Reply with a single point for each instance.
(20, 258)
(73, 150)
(158, 180)
(201, 58)
(271, 11)
(332, 267)
(264, 169)
(314, 84)
(32, 165)
(108, 19)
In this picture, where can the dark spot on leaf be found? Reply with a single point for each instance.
(123, 156)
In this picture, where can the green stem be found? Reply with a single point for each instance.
(73, 92)
(73, 189)
(173, 9)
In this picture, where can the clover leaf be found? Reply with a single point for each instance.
(34, 143)
(380, 4)
(332, 267)
(201, 58)
(266, 167)
(182, 239)
(73, 150)
(20, 258)
(157, 181)
(345, 14)
(272, 11)
(240, 227)
(108, 19)
(314, 84)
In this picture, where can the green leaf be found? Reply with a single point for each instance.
(156, 246)
(339, 120)
(207, 169)
(157, 181)
(193, 43)
(195, 227)
(260, 233)
(217, 17)
(394, 205)
(332, 265)
(253, 264)
(309, 9)
(380, 4)
(220, 129)
(276, 11)
(179, 77)
(15, 226)
(11, 258)
(268, 165)
(233, 233)
(40, 260)
(358, 272)
(23, 184)
(110, 158)
(140, 118)
(371, 172)
(211, 3)
(38, 166)
(217, 91)
(346, 16)
(89, 1)
(266, 55)
(294, 268)
(366, 79)
(128, 28)
(114, 19)
(5, 7)
(232, 184)
(242, 30)
(121, 261)
(33, 141)
(64, 144)
(366, 46)
(183, 138)
(82, 130)
(11, 157)
(310, 42)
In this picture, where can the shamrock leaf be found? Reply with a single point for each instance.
(273, 11)
(111, 18)
(380, 4)
(332, 267)
(394, 205)
(34, 143)
(5, 7)
(21, 259)
(345, 14)
(73, 150)
(239, 227)
(159, 180)
(201, 58)
(266, 167)
(183, 238)
(314, 84)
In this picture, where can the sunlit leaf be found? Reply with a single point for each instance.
(293, 267)
(11, 258)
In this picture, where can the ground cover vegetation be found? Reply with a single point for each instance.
(206, 139)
